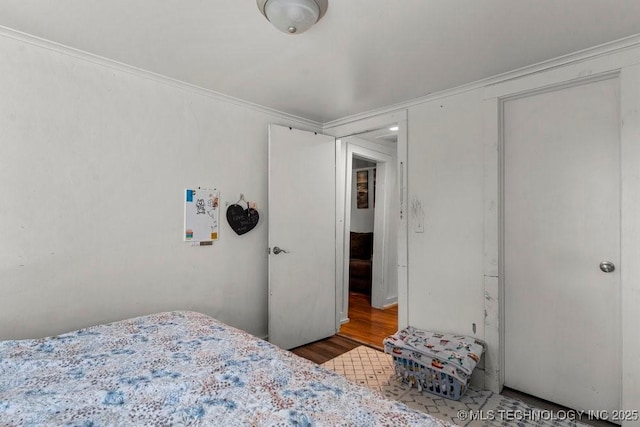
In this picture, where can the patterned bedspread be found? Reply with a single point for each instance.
(179, 368)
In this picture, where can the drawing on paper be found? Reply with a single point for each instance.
(201, 214)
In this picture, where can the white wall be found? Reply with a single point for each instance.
(445, 177)
(94, 160)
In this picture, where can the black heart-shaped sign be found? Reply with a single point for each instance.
(242, 220)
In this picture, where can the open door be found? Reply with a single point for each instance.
(302, 301)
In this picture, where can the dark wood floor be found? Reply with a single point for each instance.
(323, 350)
(367, 324)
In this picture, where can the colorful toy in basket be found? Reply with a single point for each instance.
(438, 363)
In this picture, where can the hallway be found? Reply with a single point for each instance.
(369, 325)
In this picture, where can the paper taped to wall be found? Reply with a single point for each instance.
(201, 214)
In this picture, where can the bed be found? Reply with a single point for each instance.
(179, 368)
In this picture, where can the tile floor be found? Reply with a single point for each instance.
(374, 369)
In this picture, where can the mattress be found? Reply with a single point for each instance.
(179, 368)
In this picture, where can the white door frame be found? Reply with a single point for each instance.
(382, 156)
(360, 126)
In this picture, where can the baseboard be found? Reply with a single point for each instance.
(390, 303)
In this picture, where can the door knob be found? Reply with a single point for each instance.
(277, 250)
(607, 266)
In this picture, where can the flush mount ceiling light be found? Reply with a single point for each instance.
(293, 16)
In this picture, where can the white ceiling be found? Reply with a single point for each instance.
(363, 55)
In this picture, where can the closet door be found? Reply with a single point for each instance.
(561, 241)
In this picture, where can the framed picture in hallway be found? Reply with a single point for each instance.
(362, 186)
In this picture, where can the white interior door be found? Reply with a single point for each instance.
(302, 299)
(562, 219)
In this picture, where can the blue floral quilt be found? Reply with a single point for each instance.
(179, 368)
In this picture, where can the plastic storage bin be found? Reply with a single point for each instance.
(434, 362)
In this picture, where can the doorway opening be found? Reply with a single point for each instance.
(370, 236)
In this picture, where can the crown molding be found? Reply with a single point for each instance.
(572, 58)
(159, 78)
(619, 45)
